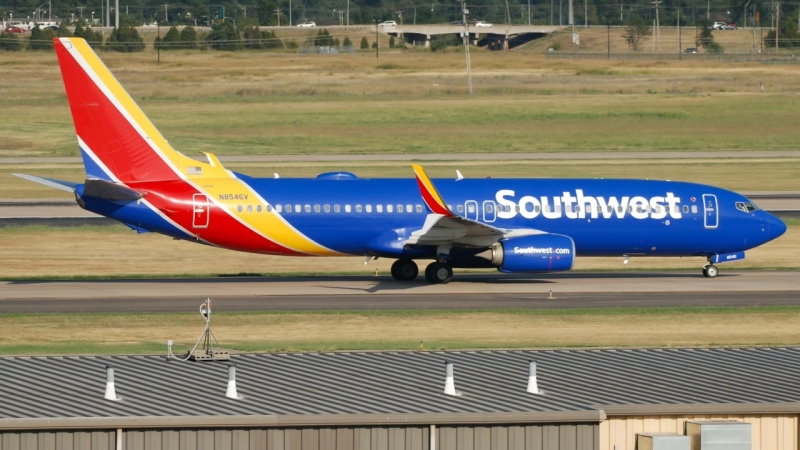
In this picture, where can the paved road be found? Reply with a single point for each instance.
(454, 156)
(573, 290)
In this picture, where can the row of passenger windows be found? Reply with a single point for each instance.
(488, 207)
(335, 208)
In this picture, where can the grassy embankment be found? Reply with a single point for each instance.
(403, 330)
(91, 252)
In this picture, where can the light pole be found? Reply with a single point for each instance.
(745, 13)
(464, 14)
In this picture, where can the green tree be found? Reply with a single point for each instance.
(79, 30)
(375, 44)
(292, 44)
(705, 39)
(41, 39)
(788, 37)
(224, 37)
(63, 30)
(391, 42)
(125, 39)
(252, 38)
(94, 38)
(636, 33)
(170, 41)
(10, 42)
(270, 40)
(189, 37)
(347, 42)
(364, 43)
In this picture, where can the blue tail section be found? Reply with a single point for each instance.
(93, 170)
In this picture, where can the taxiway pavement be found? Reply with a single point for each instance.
(467, 291)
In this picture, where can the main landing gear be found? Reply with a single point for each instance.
(404, 270)
(435, 273)
(710, 271)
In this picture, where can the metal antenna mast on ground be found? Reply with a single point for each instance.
(207, 351)
(464, 14)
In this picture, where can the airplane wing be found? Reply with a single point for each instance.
(444, 227)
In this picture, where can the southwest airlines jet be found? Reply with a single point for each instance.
(133, 175)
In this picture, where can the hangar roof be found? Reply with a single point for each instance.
(400, 387)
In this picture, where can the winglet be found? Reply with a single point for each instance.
(429, 194)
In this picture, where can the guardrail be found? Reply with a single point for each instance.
(641, 56)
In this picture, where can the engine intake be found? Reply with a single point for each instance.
(538, 253)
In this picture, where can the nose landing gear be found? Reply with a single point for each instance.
(710, 271)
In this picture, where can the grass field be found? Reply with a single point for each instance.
(415, 102)
(41, 252)
(403, 330)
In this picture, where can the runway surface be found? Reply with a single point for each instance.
(473, 291)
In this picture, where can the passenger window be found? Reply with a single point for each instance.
(676, 209)
(347, 208)
(686, 209)
(327, 208)
(336, 208)
(536, 209)
(619, 208)
(419, 208)
(239, 208)
(460, 209)
(471, 208)
(258, 208)
(358, 208)
(308, 208)
(288, 208)
(399, 208)
(488, 207)
(558, 208)
(269, 208)
(368, 208)
(409, 208)
(249, 208)
(379, 208)
(316, 208)
(694, 209)
(389, 208)
(278, 208)
(450, 207)
(630, 209)
(297, 208)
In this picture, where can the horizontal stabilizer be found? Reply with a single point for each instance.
(66, 186)
(109, 191)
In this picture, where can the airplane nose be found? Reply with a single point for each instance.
(775, 227)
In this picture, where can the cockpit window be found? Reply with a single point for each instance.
(747, 207)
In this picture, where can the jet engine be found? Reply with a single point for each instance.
(537, 253)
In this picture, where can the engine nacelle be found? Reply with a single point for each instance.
(538, 253)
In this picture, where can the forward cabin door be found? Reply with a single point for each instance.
(710, 211)
(200, 215)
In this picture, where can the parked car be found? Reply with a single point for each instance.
(481, 23)
(717, 25)
(691, 50)
(14, 30)
(733, 24)
(388, 23)
(307, 24)
(726, 27)
(51, 27)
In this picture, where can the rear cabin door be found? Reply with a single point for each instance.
(471, 209)
(200, 215)
(710, 211)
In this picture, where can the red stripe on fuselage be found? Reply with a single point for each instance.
(104, 129)
(174, 199)
(430, 201)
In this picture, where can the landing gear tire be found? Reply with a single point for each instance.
(404, 270)
(438, 272)
(710, 271)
